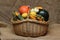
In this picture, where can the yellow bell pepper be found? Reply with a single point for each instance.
(32, 17)
(16, 13)
(24, 15)
(33, 14)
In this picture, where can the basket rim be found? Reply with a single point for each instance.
(28, 20)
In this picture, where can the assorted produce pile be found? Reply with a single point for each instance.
(36, 13)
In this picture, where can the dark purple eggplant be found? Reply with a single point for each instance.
(43, 13)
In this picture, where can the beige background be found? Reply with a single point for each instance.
(52, 6)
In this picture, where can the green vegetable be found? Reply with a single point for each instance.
(19, 16)
(14, 16)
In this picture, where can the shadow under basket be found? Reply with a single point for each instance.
(30, 28)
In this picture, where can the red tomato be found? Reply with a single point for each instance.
(24, 9)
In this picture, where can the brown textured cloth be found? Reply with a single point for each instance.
(7, 6)
(53, 7)
(53, 34)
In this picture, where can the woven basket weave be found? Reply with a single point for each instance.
(29, 27)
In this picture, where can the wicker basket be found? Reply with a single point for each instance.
(30, 28)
